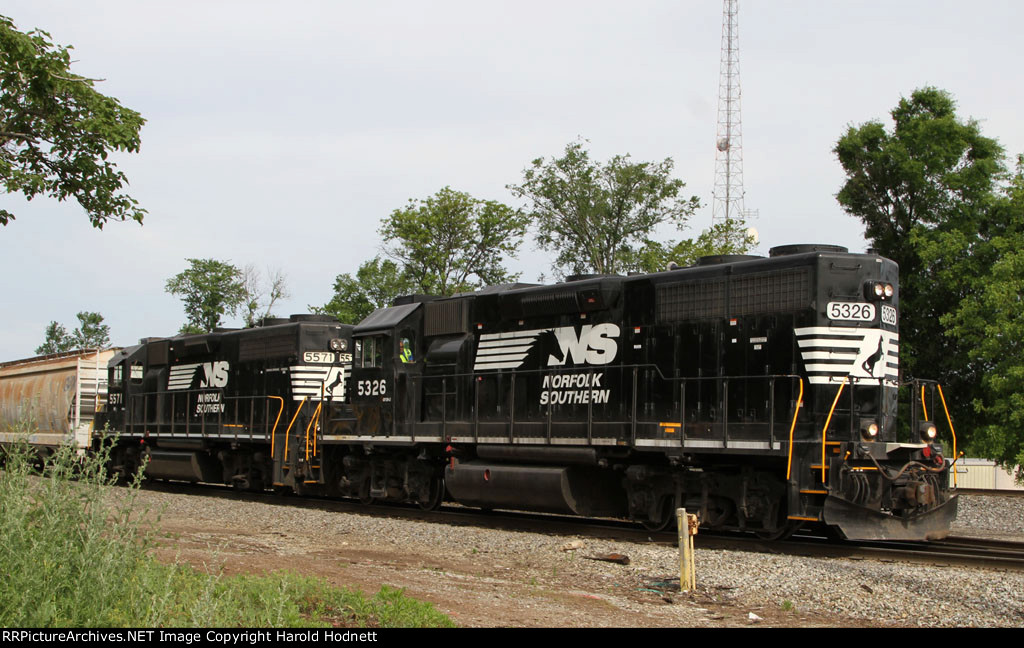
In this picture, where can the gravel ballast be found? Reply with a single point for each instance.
(492, 577)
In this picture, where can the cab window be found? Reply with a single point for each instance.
(370, 351)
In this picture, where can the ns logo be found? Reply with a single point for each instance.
(209, 374)
(215, 374)
(595, 345)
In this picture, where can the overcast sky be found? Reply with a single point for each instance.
(280, 133)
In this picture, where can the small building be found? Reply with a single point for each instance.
(983, 474)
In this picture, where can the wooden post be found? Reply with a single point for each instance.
(687, 525)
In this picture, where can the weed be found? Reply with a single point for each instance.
(74, 552)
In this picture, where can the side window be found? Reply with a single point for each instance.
(136, 372)
(370, 351)
(378, 351)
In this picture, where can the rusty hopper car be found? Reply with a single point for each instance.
(761, 392)
(53, 399)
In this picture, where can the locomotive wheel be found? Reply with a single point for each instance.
(666, 518)
(436, 496)
(783, 532)
(364, 493)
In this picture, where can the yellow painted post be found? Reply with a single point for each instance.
(687, 525)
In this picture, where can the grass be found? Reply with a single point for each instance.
(72, 556)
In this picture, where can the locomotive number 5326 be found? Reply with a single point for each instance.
(371, 387)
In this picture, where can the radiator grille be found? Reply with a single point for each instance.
(691, 300)
(753, 294)
(552, 303)
(773, 292)
(445, 318)
(276, 346)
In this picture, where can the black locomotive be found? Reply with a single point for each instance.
(761, 392)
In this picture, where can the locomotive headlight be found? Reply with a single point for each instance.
(868, 430)
(338, 344)
(878, 290)
(927, 431)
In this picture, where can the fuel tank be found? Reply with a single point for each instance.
(577, 490)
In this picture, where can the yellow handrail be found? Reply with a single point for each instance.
(799, 404)
(824, 430)
(273, 431)
(288, 431)
(924, 406)
(951, 430)
(312, 420)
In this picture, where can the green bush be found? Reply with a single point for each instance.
(70, 555)
(75, 553)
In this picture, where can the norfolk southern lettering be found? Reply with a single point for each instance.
(574, 389)
(209, 403)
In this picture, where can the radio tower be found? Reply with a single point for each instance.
(727, 197)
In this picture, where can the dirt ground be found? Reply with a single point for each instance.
(495, 588)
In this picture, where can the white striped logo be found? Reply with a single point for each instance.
(181, 376)
(214, 374)
(316, 381)
(869, 356)
(549, 347)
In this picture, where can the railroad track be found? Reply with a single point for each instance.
(957, 550)
(954, 550)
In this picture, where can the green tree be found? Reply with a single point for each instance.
(375, 285)
(209, 289)
(989, 320)
(728, 237)
(925, 193)
(57, 340)
(57, 131)
(452, 242)
(91, 333)
(598, 218)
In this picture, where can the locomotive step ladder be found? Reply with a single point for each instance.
(297, 451)
(312, 444)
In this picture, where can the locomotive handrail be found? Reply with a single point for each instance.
(824, 430)
(233, 416)
(792, 427)
(312, 420)
(289, 430)
(630, 375)
(477, 374)
(273, 430)
(951, 430)
(924, 406)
